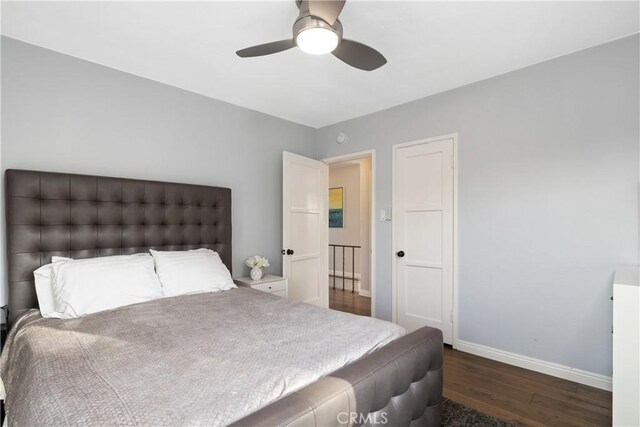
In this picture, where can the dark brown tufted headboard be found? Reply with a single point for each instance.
(84, 216)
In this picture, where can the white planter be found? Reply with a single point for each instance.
(256, 273)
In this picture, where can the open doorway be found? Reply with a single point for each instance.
(350, 225)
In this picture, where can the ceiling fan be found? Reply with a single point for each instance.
(318, 31)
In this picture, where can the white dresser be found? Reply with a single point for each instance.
(275, 285)
(626, 347)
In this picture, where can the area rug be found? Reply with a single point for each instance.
(457, 415)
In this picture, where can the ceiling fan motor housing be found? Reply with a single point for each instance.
(307, 22)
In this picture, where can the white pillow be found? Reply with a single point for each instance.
(191, 272)
(87, 286)
(44, 289)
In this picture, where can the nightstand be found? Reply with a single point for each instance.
(275, 285)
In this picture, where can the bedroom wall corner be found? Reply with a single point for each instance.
(64, 114)
(548, 198)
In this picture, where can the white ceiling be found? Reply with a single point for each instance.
(431, 46)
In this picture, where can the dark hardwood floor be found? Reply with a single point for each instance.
(507, 392)
(522, 396)
(349, 302)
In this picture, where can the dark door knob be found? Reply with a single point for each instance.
(289, 251)
(400, 254)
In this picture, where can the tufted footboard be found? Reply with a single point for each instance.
(397, 385)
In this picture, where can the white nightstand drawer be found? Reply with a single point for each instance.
(271, 286)
(276, 285)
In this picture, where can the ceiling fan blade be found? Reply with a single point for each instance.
(359, 55)
(266, 49)
(327, 10)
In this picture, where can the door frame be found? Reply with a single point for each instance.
(394, 260)
(372, 231)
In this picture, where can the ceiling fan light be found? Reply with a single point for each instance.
(317, 41)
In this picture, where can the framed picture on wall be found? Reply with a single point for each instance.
(336, 208)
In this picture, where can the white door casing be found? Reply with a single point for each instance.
(304, 228)
(423, 224)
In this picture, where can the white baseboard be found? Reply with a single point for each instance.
(554, 369)
(347, 283)
(340, 273)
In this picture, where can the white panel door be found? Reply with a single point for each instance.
(423, 235)
(305, 229)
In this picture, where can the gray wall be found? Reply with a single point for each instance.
(68, 115)
(548, 198)
(548, 176)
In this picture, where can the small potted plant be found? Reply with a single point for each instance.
(256, 263)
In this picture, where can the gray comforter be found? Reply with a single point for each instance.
(205, 359)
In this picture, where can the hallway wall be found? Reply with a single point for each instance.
(355, 179)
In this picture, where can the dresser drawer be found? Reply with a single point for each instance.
(271, 286)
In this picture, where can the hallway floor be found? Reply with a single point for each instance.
(349, 302)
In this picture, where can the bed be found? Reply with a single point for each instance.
(238, 357)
